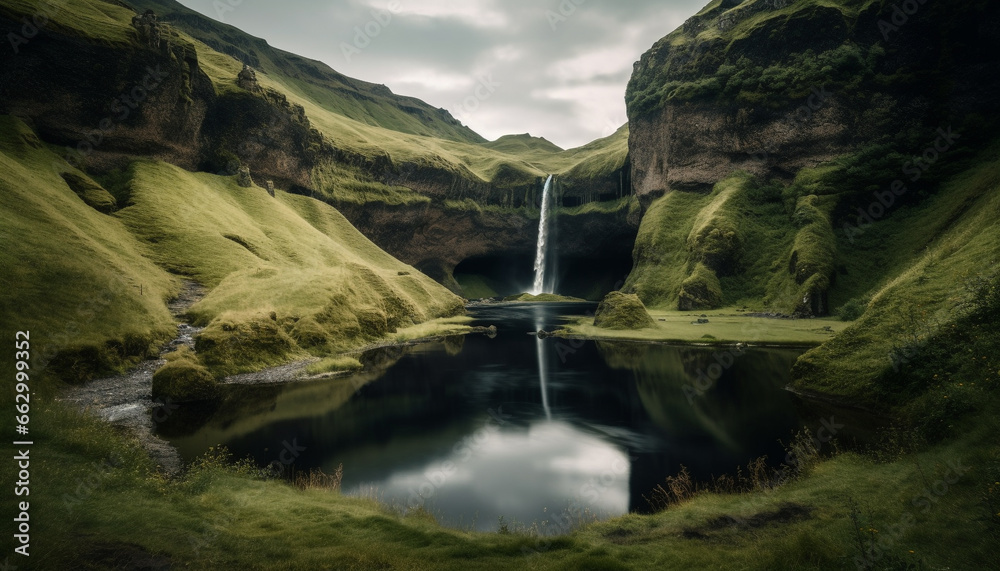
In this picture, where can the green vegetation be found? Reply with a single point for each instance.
(289, 275)
(725, 326)
(622, 311)
(90, 192)
(700, 291)
(476, 286)
(707, 61)
(918, 268)
(732, 247)
(182, 378)
(212, 517)
(74, 277)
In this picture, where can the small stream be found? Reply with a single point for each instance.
(474, 428)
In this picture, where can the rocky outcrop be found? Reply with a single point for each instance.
(148, 27)
(243, 177)
(247, 79)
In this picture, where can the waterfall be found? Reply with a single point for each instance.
(543, 236)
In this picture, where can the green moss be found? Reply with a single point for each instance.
(234, 344)
(622, 311)
(74, 277)
(476, 286)
(701, 290)
(183, 379)
(90, 192)
(916, 263)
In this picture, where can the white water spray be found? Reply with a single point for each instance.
(543, 236)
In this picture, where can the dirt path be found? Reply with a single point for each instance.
(126, 400)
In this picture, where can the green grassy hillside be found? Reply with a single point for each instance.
(75, 278)
(289, 275)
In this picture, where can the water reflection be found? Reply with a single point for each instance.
(460, 427)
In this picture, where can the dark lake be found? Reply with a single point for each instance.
(475, 428)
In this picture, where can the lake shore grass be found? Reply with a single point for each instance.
(724, 326)
(107, 505)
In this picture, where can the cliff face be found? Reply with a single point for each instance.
(773, 86)
(828, 100)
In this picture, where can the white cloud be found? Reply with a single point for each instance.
(478, 13)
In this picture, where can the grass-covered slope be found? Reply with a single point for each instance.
(920, 275)
(74, 277)
(289, 275)
(733, 246)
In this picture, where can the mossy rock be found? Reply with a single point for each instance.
(701, 290)
(90, 192)
(184, 379)
(232, 345)
(622, 311)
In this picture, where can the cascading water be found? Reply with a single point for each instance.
(539, 285)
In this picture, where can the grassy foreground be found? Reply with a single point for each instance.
(104, 506)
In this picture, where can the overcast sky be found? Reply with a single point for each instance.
(553, 68)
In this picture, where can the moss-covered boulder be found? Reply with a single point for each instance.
(183, 378)
(238, 343)
(622, 311)
(701, 290)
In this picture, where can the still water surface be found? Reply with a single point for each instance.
(476, 428)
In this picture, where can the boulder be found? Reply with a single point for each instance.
(243, 177)
(622, 311)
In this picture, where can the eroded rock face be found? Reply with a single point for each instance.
(149, 28)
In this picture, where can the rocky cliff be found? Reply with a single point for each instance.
(830, 101)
